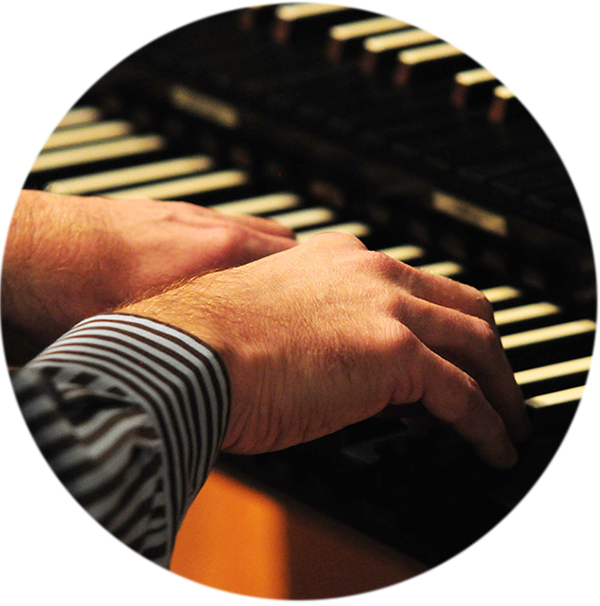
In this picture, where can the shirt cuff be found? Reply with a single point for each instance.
(179, 381)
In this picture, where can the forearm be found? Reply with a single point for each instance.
(130, 414)
(50, 277)
(8, 204)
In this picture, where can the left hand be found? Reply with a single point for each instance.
(70, 257)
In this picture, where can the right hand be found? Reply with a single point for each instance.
(327, 334)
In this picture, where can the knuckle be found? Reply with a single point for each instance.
(487, 339)
(469, 403)
(481, 306)
(404, 342)
(383, 264)
(230, 238)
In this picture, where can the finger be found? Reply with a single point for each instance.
(471, 344)
(444, 291)
(242, 245)
(454, 397)
(267, 226)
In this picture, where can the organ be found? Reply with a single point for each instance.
(327, 118)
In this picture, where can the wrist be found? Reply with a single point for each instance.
(190, 308)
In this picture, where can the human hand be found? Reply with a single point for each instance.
(70, 257)
(328, 334)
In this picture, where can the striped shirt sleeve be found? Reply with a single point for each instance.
(130, 414)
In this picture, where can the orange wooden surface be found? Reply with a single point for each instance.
(241, 539)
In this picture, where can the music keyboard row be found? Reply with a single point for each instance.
(548, 349)
(458, 128)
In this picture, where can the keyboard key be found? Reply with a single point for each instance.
(346, 40)
(381, 51)
(435, 60)
(96, 131)
(354, 228)
(143, 173)
(122, 147)
(504, 106)
(186, 187)
(523, 313)
(260, 205)
(472, 86)
(80, 115)
(295, 20)
(404, 253)
(305, 218)
(564, 396)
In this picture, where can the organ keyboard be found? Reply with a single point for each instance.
(326, 118)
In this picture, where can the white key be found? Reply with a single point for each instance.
(128, 176)
(187, 186)
(548, 333)
(294, 12)
(397, 40)
(445, 268)
(472, 77)
(356, 229)
(557, 397)
(305, 217)
(97, 131)
(260, 205)
(80, 115)
(406, 252)
(109, 150)
(366, 27)
(499, 294)
(525, 312)
(552, 371)
(501, 92)
(432, 52)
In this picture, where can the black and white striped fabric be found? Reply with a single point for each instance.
(130, 414)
